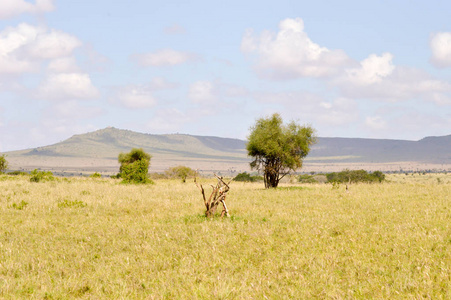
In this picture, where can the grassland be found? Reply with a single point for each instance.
(98, 239)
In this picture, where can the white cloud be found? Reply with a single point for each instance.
(291, 53)
(440, 44)
(164, 57)
(203, 92)
(135, 96)
(378, 78)
(52, 44)
(68, 86)
(372, 69)
(12, 40)
(12, 8)
(24, 47)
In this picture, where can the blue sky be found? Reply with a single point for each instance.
(370, 69)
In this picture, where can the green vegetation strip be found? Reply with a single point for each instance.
(97, 239)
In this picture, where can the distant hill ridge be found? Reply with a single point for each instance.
(169, 149)
(110, 141)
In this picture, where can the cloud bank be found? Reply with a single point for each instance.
(13, 8)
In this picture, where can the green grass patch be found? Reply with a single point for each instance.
(291, 188)
(19, 206)
(70, 203)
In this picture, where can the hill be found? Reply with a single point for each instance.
(98, 151)
(436, 150)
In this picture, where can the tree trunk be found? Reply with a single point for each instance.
(271, 175)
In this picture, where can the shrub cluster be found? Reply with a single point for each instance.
(135, 172)
(181, 172)
(246, 177)
(353, 176)
(17, 173)
(307, 179)
(38, 176)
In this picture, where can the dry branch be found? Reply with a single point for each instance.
(217, 196)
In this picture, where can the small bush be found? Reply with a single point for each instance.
(95, 175)
(38, 176)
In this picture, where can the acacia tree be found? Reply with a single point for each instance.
(134, 166)
(278, 149)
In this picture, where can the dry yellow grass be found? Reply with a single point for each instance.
(96, 238)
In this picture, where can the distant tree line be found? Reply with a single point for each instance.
(345, 176)
(354, 176)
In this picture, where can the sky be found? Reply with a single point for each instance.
(368, 69)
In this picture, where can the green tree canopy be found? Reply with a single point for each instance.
(278, 149)
(3, 163)
(134, 166)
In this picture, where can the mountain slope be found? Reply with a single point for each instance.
(100, 149)
(427, 150)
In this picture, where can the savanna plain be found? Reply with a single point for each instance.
(96, 238)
